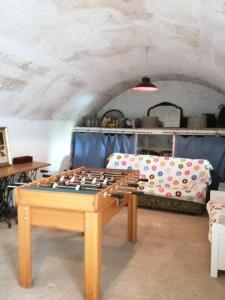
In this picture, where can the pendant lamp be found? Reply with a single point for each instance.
(145, 85)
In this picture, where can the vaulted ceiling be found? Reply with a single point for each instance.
(61, 58)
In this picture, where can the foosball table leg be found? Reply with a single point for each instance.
(132, 219)
(92, 255)
(24, 228)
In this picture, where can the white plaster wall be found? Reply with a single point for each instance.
(194, 98)
(46, 141)
(59, 149)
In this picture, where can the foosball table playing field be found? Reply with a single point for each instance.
(80, 200)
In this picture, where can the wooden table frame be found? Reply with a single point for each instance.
(73, 212)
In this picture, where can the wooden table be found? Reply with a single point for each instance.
(7, 178)
(68, 209)
(21, 168)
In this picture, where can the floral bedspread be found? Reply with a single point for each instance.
(216, 212)
(181, 178)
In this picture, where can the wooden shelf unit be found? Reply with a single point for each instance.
(164, 131)
(153, 133)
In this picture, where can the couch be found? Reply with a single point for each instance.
(173, 183)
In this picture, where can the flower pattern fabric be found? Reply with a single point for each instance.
(182, 178)
(216, 212)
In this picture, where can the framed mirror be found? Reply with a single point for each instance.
(5, 158)
(168, 113)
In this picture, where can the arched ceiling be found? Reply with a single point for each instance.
(64, 58)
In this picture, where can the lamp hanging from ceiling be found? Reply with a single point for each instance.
(145, 85)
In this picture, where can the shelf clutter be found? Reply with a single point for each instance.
(162, 115)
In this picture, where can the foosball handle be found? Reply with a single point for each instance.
(143, 179)
(46, 175)
(43, 171)
(133, 184)
(117, 195)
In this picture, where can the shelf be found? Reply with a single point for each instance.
(168, 131)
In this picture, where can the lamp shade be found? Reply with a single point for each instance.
(145, 85)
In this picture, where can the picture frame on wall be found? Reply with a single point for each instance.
(5, 157)
(169, 114)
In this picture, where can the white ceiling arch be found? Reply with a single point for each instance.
(60, 58)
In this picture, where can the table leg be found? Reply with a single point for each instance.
(92, 255)
(132, 219)
(24, 228)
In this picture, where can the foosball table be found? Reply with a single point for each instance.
(80, 200)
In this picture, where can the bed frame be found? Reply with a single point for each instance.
(217, 249)
(218, 239)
